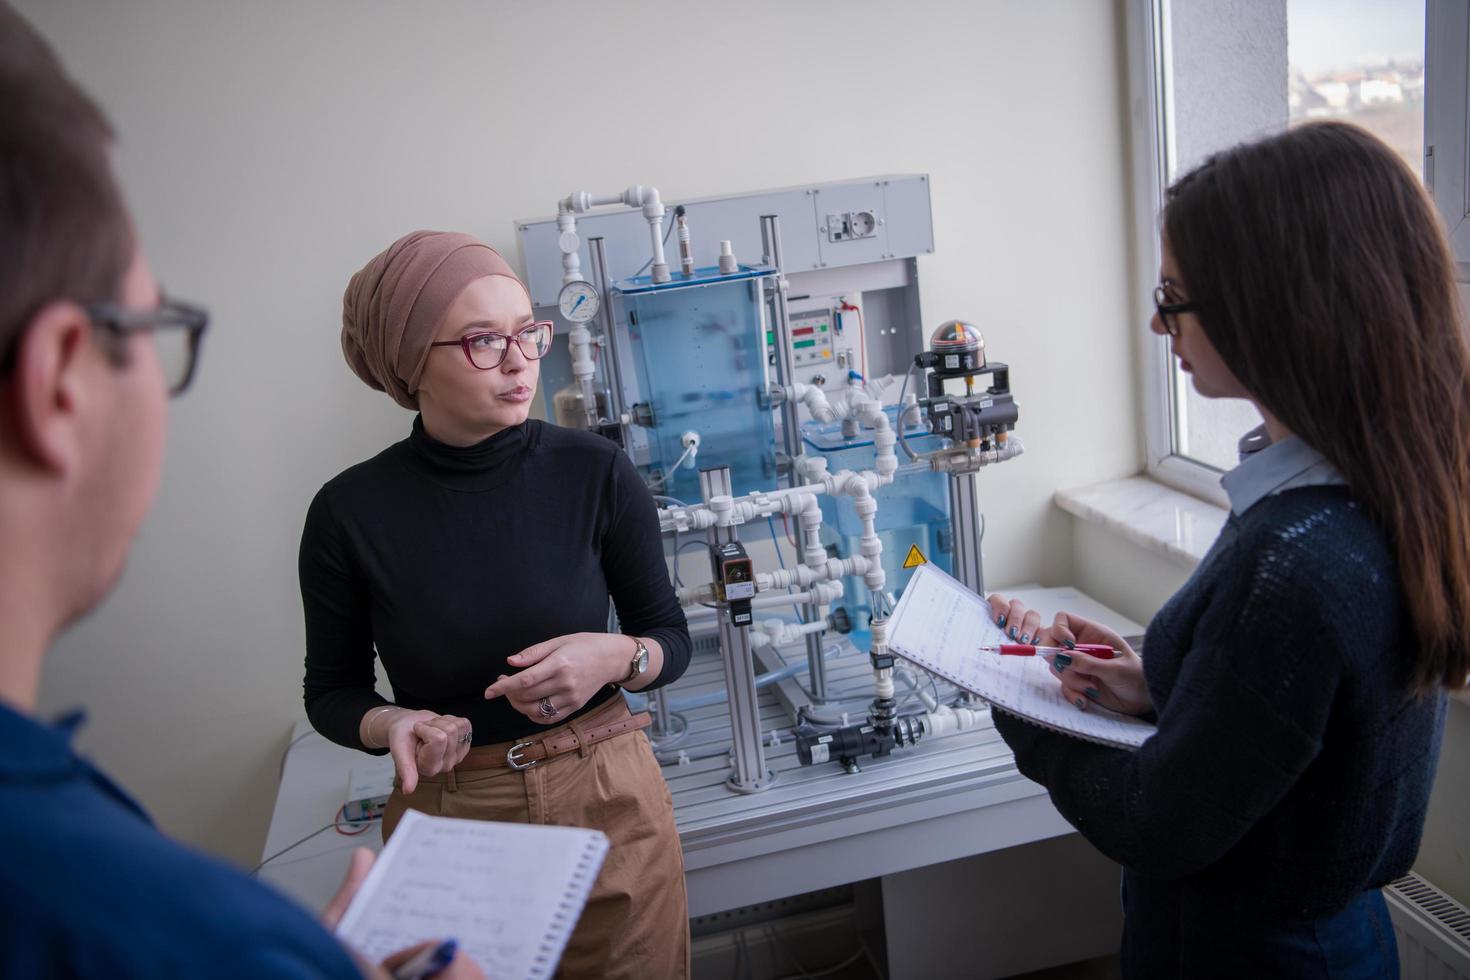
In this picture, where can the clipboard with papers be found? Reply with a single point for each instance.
(941, 625)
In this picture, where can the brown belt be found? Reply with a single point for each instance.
(608, 721)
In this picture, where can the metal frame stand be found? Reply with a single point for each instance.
(790, 429)
(613, 377)
(748, 758)
(964, 516)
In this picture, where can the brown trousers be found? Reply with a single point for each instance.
(636, 924)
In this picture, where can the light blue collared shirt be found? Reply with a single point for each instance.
(1268, 467)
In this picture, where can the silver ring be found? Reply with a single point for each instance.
(546, 708)
(465, 738)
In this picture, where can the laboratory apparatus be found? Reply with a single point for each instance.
(780, 394)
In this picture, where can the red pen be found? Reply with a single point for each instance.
(1099, 650)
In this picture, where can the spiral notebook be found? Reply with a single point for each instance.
(510, 893)
(940, 625)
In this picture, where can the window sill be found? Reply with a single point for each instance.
(1158, 518)
(1150, 515)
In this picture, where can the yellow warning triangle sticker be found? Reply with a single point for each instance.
(915, 558)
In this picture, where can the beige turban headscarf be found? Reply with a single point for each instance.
(393, 306)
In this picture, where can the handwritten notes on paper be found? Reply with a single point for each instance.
(510, 893)
(940, 625)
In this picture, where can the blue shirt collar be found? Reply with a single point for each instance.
(1268, 467)
(30, 749)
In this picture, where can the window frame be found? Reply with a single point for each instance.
(1447, 135)
(1147, 35)
(1446, 119)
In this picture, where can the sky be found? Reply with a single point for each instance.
(1327, 34)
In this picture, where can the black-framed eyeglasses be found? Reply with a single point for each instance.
(1169, 311)
(177, 328)
(486, 350)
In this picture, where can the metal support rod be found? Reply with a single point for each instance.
(790, 431)
(785, 367)
(964, 515)
(613, 368)
(659, 702)
(748, 763)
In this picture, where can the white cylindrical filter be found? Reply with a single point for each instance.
(727, 258)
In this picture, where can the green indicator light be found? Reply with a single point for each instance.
(804, 343)
(770, 336)
(823, 328)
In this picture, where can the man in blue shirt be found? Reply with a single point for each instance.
(89, 353)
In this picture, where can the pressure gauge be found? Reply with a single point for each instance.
(579, 301)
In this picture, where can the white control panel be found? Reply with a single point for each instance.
(812, 336)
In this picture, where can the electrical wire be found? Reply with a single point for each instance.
(337, 824)
(903, 442)
(775, 940)
(292, 847)
(828, 971)
(669, 474)
(862, 341)
(678, 550)
(360, 825)
(776, 542)
(666, 499)
(294, 742)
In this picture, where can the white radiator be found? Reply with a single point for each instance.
(1433, 931)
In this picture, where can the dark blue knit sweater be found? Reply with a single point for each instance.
(1292, 766)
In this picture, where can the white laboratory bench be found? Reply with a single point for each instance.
(926, 807)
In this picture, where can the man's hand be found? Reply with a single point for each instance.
(358, 867)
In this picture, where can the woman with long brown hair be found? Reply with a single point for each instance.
(1298, 677)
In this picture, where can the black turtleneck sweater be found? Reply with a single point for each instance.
(448, 560)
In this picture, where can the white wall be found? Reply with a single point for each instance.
(270, 148)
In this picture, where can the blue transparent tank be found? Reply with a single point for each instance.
(913, 511)
(700, 350)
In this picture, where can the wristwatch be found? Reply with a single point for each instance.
(637, 665)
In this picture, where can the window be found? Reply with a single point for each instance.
(1206, 74)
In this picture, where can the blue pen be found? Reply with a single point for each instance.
(429, 962)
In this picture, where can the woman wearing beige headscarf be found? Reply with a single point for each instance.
(478, 557)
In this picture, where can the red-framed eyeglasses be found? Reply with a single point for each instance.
(485, 351)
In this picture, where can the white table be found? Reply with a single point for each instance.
(941, 801)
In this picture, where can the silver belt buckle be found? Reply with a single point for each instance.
(514, 763)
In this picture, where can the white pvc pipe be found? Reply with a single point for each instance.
(814, 398)
(570, 245)
(820, 594)
(947, 721)
(779, 633)
(580, 202)
(579, 343)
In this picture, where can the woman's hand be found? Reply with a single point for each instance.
(563, 673)
(1117, 684)
(422, 743)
